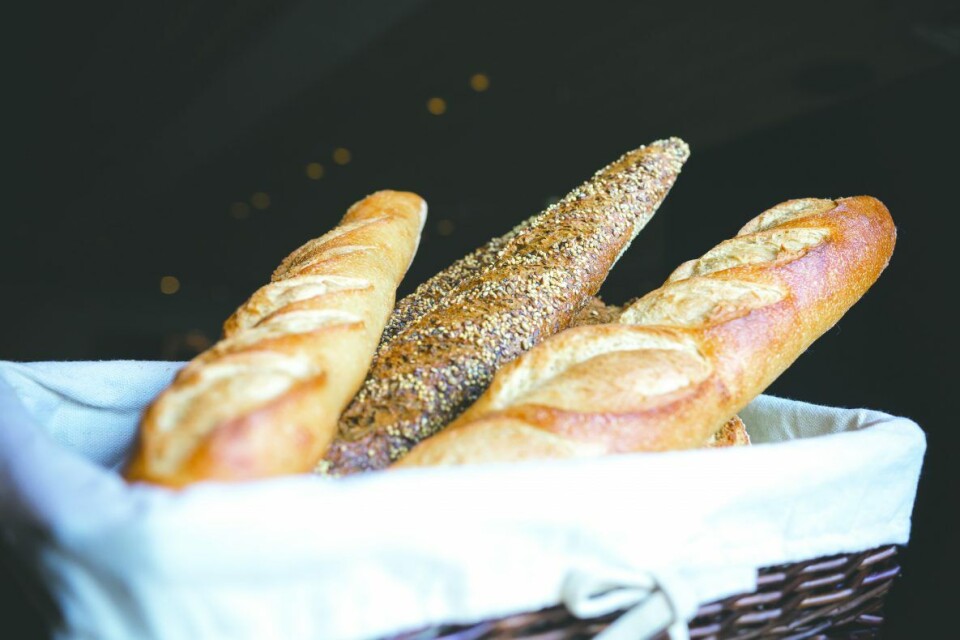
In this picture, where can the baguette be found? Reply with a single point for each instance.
(683, 358)
(429, 294)
(265, 399)
(447, 341)
(732, 433)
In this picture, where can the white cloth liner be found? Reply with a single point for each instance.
(309, 557)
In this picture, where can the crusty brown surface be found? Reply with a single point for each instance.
(443, 349)
(687, 356)
(596, 311)
(432, 292)
(733, 433)
(265, 399)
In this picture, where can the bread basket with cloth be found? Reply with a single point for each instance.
(498, 455)
(383, 554)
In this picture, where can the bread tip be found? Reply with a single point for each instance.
(423, 213)
(675, 145)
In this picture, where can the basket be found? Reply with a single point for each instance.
(840, 596)
(116, 560)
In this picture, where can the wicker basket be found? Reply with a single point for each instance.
(135, 562)
(832, 597)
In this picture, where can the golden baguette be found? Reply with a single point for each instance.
(457, 331)
(732, 433)
(685, 357)
(265, 400)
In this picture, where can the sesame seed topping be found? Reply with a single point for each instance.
(443, 343)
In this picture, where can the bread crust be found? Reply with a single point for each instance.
(733, 433)
(596, 311)
(264, 400)
(443, 346)
(687, 356)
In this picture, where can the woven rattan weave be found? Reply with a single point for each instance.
(831, 597)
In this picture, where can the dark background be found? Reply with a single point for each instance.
(141, 131)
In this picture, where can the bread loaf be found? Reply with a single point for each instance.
(732, 433)
(432, 292)
(265, 399)
(444, 348)
(683, 358)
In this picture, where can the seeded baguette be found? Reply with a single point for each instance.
(432, 292)
(684, 358)
(265, 399)
(444, 348)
